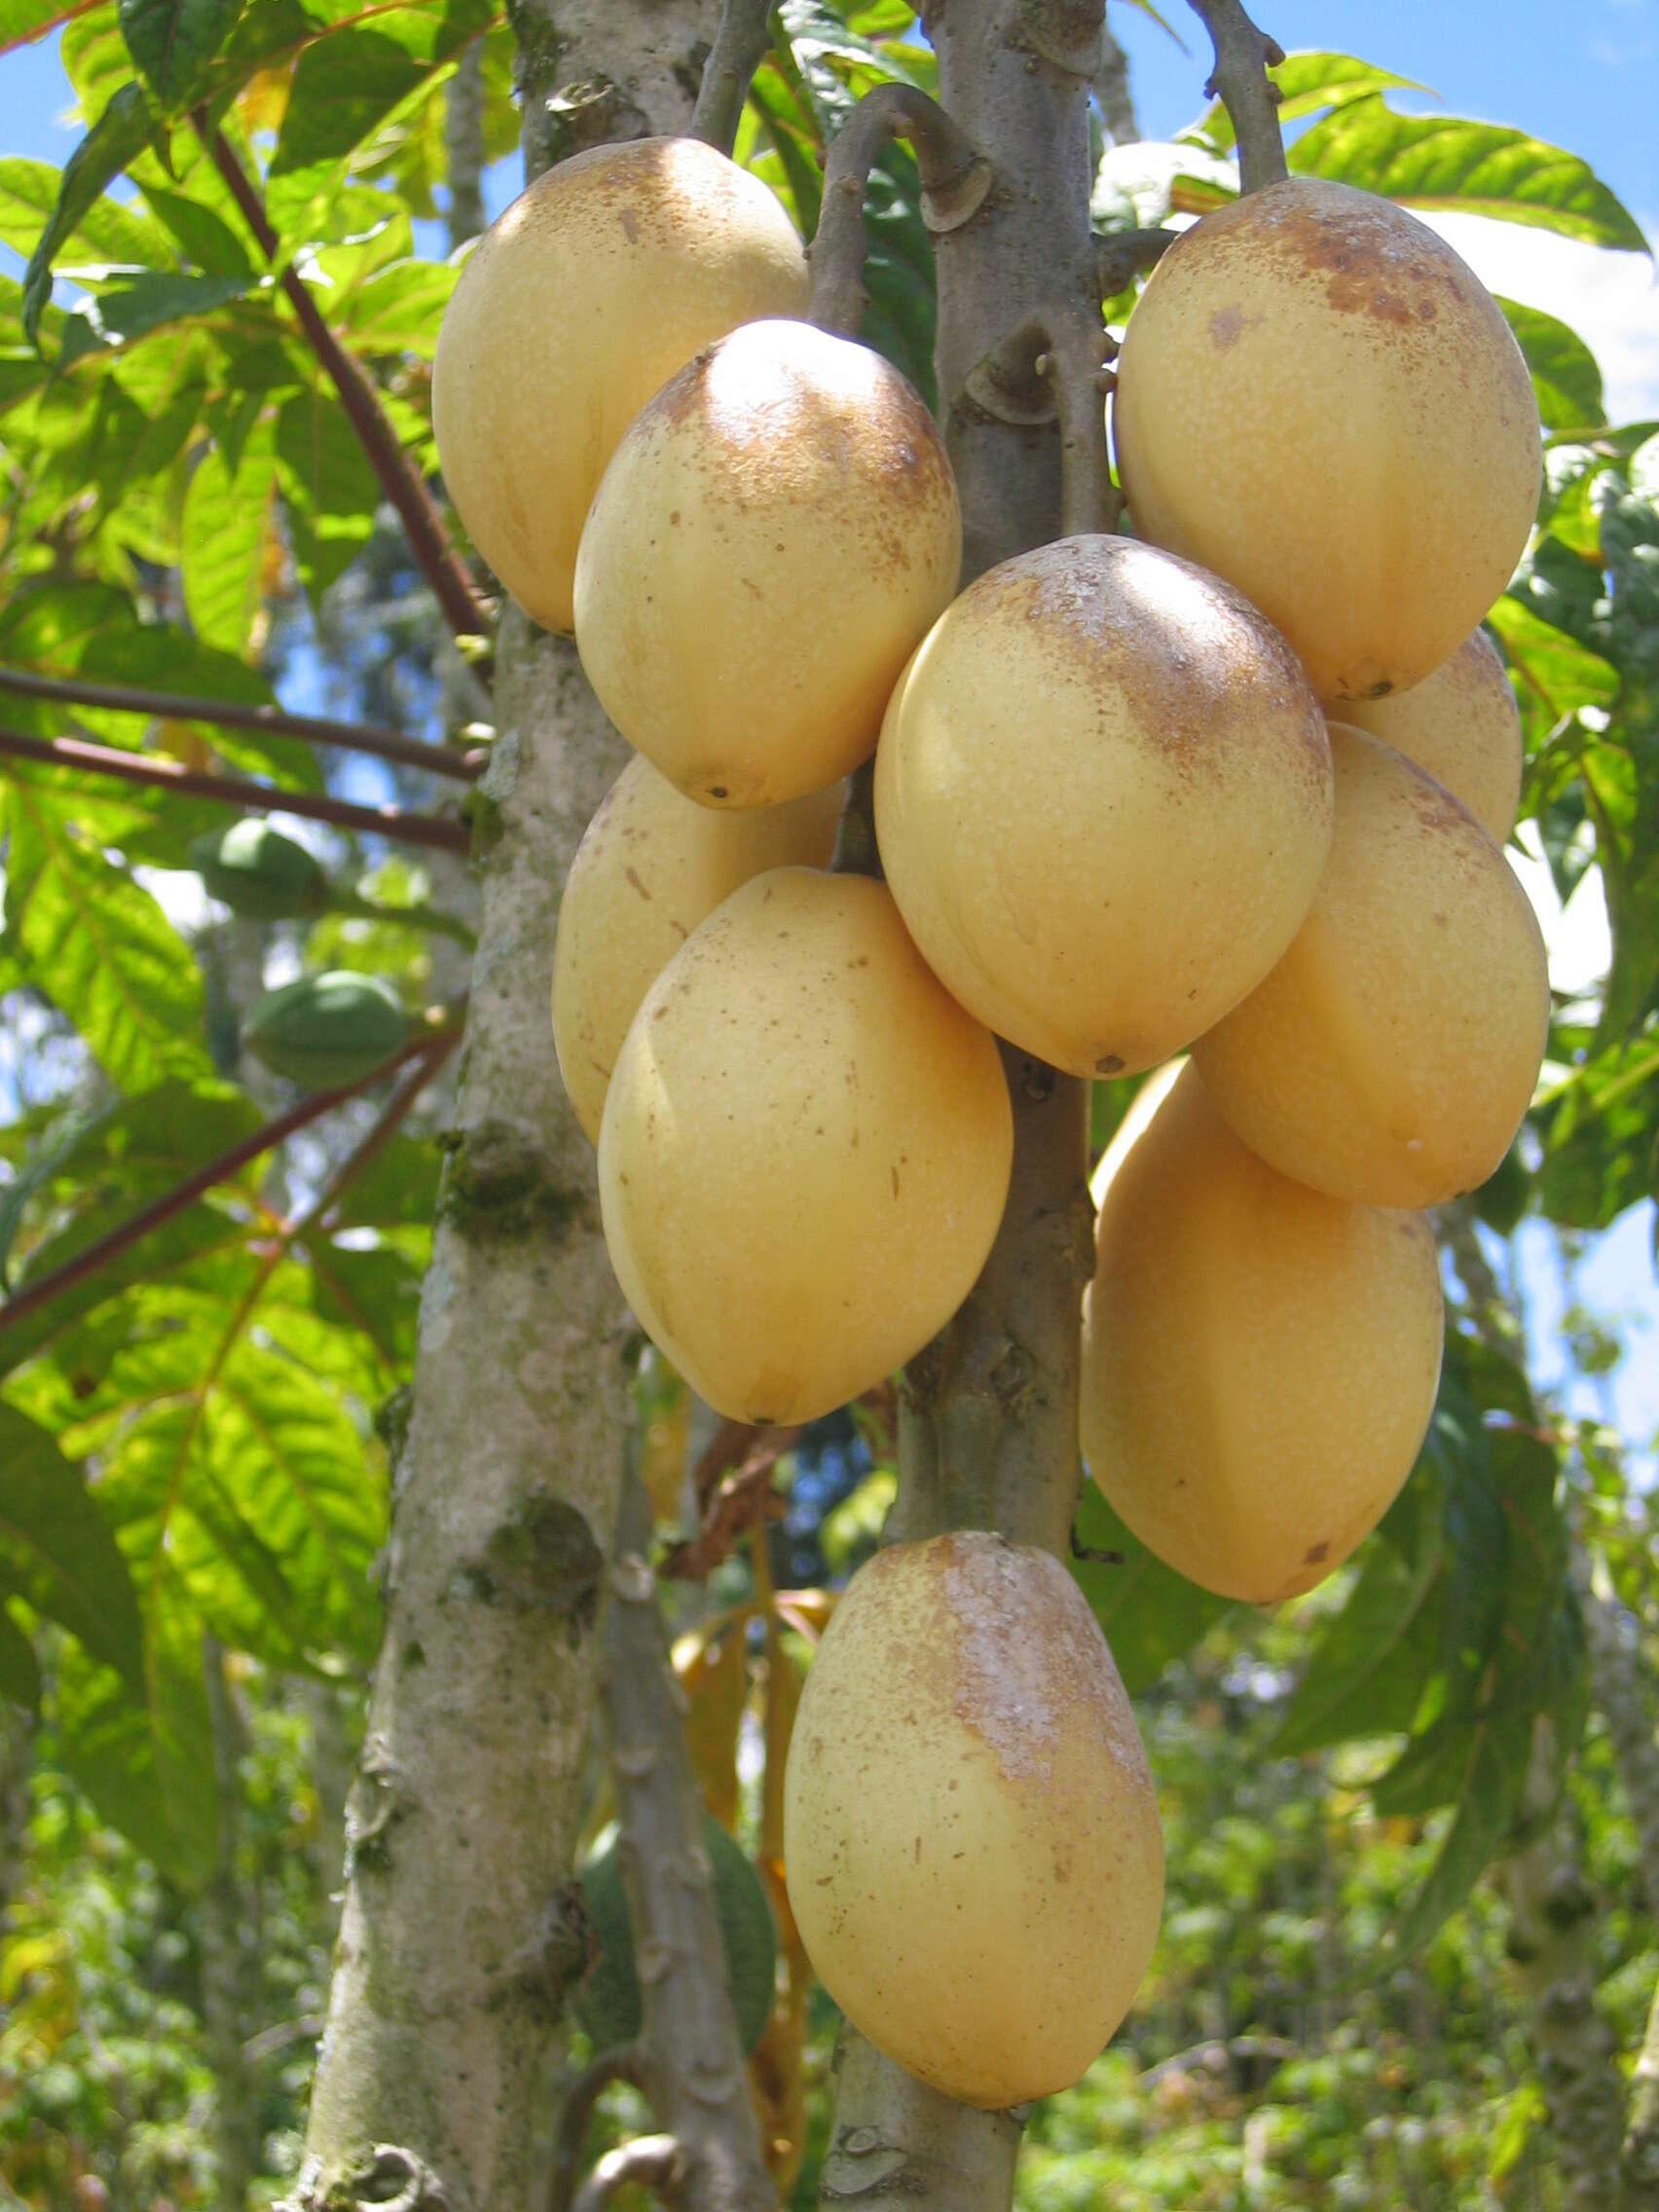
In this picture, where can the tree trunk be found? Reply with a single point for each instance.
(1638, 2161)
(456, 1937)
(1573, 2049)
(988, 1411)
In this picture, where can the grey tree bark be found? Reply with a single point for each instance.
(456, 1936)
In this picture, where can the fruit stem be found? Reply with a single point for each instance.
(955, 180)
(234, 714)
(1243, 55)
(1053, 365)
(1120, 255)
(464, 607)
(570, 2135)
(436, 830)
(739, 48)
(856, 852)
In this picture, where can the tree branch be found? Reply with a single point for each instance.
(955, 180)
(692, 2066)
(1120, 255)
(648, 2161)
(1053, 364)
(1243, 55)
(575, 2110)
(229, 713)
(739, 48)
(92, 1257)
(463, 605)
(437, 832)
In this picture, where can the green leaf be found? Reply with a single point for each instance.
(119, 134)
(1150, 1614)
(228, 517)
(1366, 1677)
(100, 947)
(1310, 82)
(1566, 378)
(24, 21)
(149, 300)
(20, 1669)
(1476, 168)
(147, 1762)
(57, 1551)
(40, 1167)
(345, 86)
(171, 42)
(104, 231)
(329, 487)
(1557, 672)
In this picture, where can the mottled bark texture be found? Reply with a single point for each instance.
(1573, 2049)
(690, 2059)
(988, 1411)
(456, 1936)
(1638, 2160)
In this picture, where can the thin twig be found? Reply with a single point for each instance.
(1120, 255)
(438, 832)
(229, 713)
(1054, 363)
(744, 1495)
(691, 2063)
(575, 2110)
(648, 2161)
(380, 1133)
(739, 48)
(92, 1257)
(1243, 55)
(955, 180)
(464, 607)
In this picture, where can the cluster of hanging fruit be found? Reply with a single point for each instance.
(1234, 787)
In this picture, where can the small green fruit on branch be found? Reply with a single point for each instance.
(438, 832)
(955, 180)
(428, 1051)
(739, 48)
(1243, 55)
(464, 609)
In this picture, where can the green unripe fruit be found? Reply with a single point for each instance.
(607, 2002)
(330, 1029)
(255, 871)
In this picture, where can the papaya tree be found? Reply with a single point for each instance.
(312, 1349)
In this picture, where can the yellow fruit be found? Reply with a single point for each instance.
(1103, 801)
(806, 1149)
(1463, 724)
(971, 1840)
(650, 867)
(1392, 1053)
(1318, 399)
(1259, 1361)
(774, 533)
(593, 287)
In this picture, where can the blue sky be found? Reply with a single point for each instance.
(1582, 74)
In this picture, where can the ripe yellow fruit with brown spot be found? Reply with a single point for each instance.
(1464, 725)
(1103, 801)
(774, 534)
(1318, 399)
(587, 293)
(1392, 1053)
(1259, 1361)
(651, 865)
(805, 1149)
(971, 1840)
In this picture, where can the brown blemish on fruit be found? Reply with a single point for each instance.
(1225, 326)
(1317, 1554)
